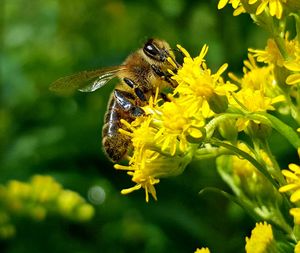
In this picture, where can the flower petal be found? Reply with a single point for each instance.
(293, 79)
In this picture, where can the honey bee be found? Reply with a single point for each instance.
(140, 74)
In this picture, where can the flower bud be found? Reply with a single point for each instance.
(228, 129)
(258, 130)
(217, 103)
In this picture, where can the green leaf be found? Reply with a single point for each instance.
(243, 204)
(284, 129)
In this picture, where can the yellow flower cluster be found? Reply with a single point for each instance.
(297, 248)
(257, 91)
(38, 198)
(287, 57)
(236, 4)
(249, 183)
(202, 250)
(273, 7)
(261, 240)
(293, 185)
(165, 139)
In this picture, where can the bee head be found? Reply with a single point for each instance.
(156, 49)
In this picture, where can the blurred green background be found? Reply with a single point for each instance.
(42, 133)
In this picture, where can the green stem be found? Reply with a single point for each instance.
(274, 28)
(273, 167)
(265, 118)
(210, 152)
(284, 129)
(245, 204)
(295, 110)
(213, 124)
(245, 155)
(276, 168)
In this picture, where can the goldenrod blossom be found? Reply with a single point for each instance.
(293, 182)
(293, 185)
(275, 7)
(255, 77)
(252, 101)
(261, 240)
(148, 166)
(271, 54)
(176, 125)
(293, 62)
(295, 212)
(196, 83)
(41, 196)
(202, 250)
(249, 180)
(148, 163)
(258, 91)
(297, 248)
(236, 4)
(165, 138)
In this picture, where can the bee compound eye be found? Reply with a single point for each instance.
(151, 50)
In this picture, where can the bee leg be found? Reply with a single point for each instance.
(164, 97)
(138, 92)
(129, 82)
(123, 100)
(165, 76)
(157, 70)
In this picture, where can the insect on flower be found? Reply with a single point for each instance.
(140, 75)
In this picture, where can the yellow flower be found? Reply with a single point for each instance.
(293, 62)
(249, 180)
(202, 250)
(165, 139)
(293, 182)
(43, 195)
(148, 166)
(271, 54)
(196, 83)
(177, 124)
(295, 212)
(236, 4)
(261, 240)
(275, 7)
(258, 90)
(293, 185)
(252, 101)
(257, 78)
(297, 248)
(149, 162)
(45, 188)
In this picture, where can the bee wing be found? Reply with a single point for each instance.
(86, 81)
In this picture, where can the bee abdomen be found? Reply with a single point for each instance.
(115, 144)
